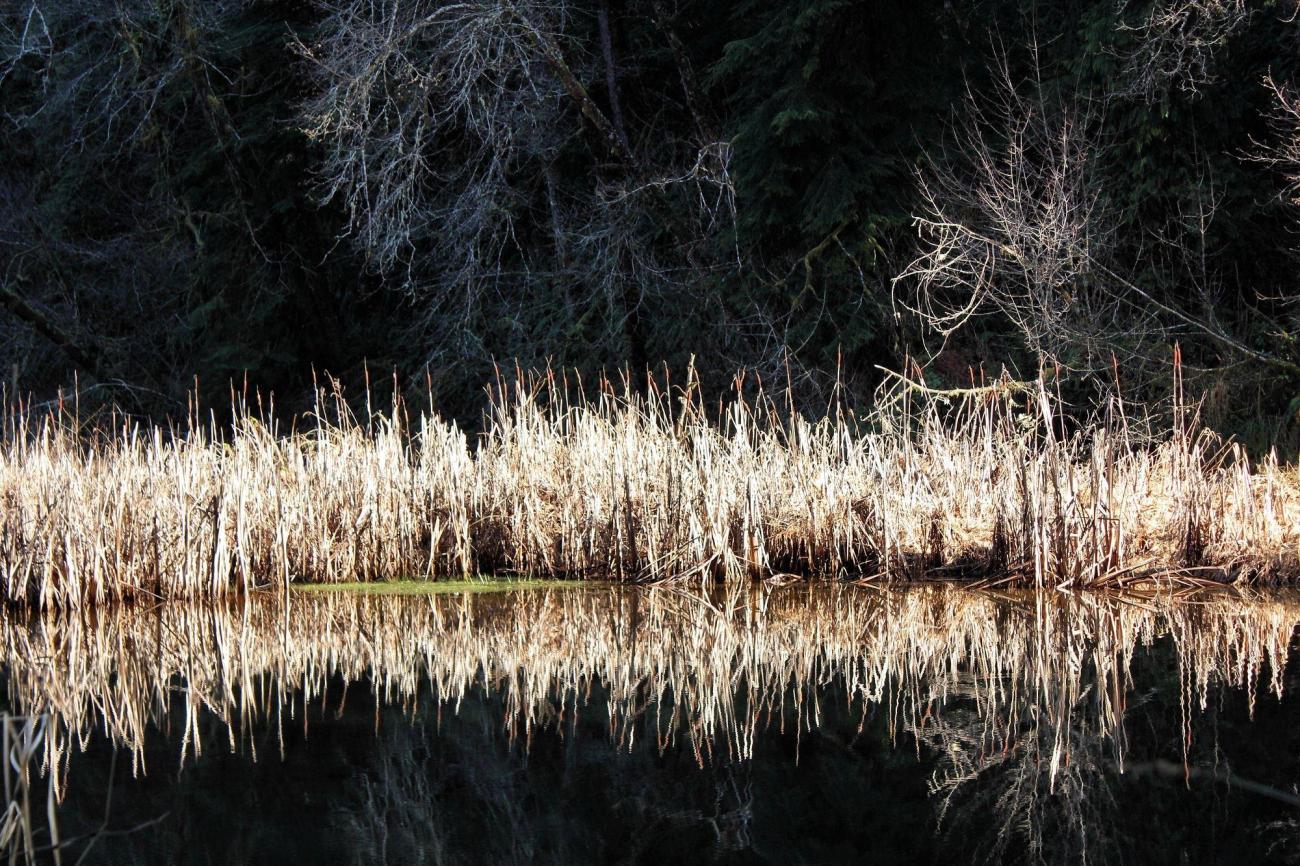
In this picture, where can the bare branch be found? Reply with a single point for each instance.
(1017, 224)
(1176, 43)
(1284, 155)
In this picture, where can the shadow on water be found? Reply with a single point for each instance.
(824, 724)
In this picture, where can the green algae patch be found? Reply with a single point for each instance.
(433, 587)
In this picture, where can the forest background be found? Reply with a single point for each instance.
(416, 194)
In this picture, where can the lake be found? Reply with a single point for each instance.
(820, 724)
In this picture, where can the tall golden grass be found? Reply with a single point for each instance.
(632, 487)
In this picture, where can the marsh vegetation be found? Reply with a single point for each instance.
(634, 487)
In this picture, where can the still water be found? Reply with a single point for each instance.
(820, 725)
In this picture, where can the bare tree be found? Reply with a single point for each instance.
(1284, 155)
(102, 68)
(443, 124)
(1016, 222)
(97, 85)
(420, 95)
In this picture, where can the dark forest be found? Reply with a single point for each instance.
(195, 193)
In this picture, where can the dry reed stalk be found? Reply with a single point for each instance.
(24, 740)
(632, 488)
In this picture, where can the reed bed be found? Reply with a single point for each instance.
(664, 664)
(633, 487)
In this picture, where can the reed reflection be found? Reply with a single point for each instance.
(717, 669)
(1018, 700)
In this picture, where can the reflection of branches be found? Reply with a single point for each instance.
(728, 822)
(1221, 775)
(421, 791)
(1038, 760)
(398, 817)
(1045, 809)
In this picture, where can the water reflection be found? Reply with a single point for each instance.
(599, 725)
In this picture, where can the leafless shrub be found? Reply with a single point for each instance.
(1016, 223)
(1285, 152)
(1281, 154)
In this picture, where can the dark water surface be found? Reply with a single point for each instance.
(833, 724)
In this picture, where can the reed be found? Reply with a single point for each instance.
(633, 486)
(24, 742)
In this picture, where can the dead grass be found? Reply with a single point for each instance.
(634, 488)
(26, 741)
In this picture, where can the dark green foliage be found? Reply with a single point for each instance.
(827, 104)
(823, 101)
(166, 195)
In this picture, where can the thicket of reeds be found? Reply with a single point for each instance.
(635, 486)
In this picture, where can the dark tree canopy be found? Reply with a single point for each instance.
(267, 192)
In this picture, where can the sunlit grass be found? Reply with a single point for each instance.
(634, 488)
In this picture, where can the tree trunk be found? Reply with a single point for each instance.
(85, 355)
(611, 74)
